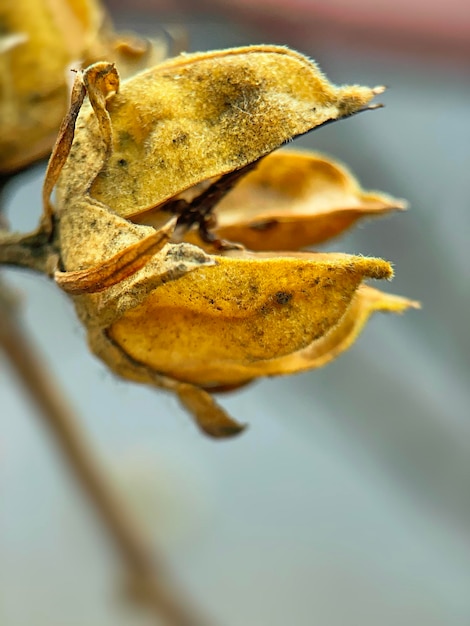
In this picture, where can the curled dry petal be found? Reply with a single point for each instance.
(293, 200)
(201, 116)
(100, 246)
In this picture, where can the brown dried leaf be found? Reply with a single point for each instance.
(293, 200)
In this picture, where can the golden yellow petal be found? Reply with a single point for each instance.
(212, 326)
(295, 199)
(203, 115)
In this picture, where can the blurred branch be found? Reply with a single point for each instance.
(431, 31)
(149, 583)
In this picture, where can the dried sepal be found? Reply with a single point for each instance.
(61, 149)
(201, 116)
(292, 200)
(115, 269)
(97, 81)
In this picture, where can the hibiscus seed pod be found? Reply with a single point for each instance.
(172, 314)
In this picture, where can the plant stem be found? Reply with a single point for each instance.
(148, 581)
(32, 251)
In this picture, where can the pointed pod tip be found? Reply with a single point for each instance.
(378, 269)
(379, 89)
(377, 105)
(414, 304)
(396, 304)
(386, 302)
(225, 431)
(401, 204)
(394, 204)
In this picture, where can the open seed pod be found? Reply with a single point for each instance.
(172, 314)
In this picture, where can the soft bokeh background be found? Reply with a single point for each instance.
(347, 501)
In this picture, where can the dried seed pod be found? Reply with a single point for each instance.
(293, 200)
(170, 314)
(39, 42)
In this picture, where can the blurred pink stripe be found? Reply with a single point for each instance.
(442, 27)
(422, 16)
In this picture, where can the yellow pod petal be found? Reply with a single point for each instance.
(293, 200)
(366, 301)
(200, 116)
(211, 326)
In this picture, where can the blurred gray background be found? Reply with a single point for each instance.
(347, 501)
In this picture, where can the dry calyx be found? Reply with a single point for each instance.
(163, 180)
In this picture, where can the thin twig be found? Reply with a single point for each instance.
(149, 582)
